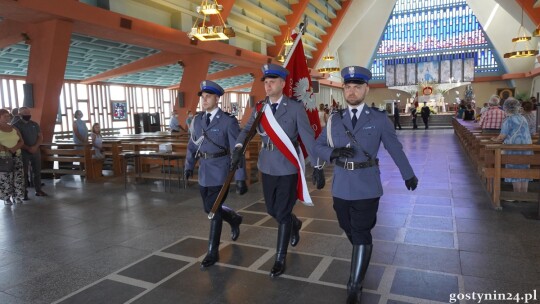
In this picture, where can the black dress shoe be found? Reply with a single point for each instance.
(235, 228)
(41, 193)
(278, 268)
(209, 260)
(295, 233)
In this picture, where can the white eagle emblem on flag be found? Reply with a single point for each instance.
(302, 93)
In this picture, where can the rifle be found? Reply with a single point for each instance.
(251, 133)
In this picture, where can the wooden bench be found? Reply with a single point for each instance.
(58, 159)
(490, 162)
(495, 170)
(68, 135)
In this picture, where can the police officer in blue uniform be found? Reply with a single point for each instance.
(351, 140)
(213, 135)
(279, 175)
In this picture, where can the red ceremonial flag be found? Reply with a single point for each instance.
(298, 85)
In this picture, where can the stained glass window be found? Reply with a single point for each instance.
(423, 28)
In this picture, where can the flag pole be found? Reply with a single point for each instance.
(303, 27)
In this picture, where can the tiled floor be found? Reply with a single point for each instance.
(98, 243)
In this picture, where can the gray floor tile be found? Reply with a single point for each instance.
(251, 218)
(430, 238)
(326, 227)
(506, 268)
(433, 200)
(240, 255)
(432, 210)
(429, 222)
(106, 291)
(153, 269)
(256, 207)
(428, 258)
(190, 247)
(54, 285)
(424, 285)
(110, 259)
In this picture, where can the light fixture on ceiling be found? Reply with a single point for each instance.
(209, 9)
(329, 64)
(288, 40)
(205, 32)
(281, 56)
(522, 37)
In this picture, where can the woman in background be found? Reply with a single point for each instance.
(515, 131)
(12, 184)
(80, 131)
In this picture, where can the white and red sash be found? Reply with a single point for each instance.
(286, 147)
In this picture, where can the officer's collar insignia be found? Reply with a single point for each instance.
(351, 70)
(367, 112)
(284, 103)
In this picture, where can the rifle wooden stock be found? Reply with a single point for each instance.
(251, 133)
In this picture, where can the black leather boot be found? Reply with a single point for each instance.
(234, 219)
(295, 233)
(284, 233)
(213, 244)
(359, 265)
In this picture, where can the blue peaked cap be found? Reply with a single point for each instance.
(211, 87)
(355, 74)
(273, 71)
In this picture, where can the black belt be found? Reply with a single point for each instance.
(355, 165)
(271, 147)
(211, 155)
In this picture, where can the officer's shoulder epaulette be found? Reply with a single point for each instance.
(227, 113)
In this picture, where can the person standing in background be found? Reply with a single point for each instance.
(15, 116)
(80, 130)
(396, 117)
(425, 112)
(31, 154)
(414, 115)
(174, 125)
(12, 185)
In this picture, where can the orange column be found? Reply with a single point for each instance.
(49, 46)
(195, 71)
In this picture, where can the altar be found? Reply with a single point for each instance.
(433, 97)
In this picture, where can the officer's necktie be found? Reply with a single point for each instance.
(208, 118)
(274, 108)
(354, 118)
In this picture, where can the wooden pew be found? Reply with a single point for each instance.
(495, 170)
(59, 159)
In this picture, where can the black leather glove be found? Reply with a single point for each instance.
(188, 173)
(411, 183)
(241, 187)
(318, 178)
(235, 158)
(342, 152)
